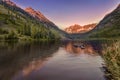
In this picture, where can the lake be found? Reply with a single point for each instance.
(68, 60)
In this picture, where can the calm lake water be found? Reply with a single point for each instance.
(51, 61)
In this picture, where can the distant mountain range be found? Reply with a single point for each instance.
(80, 29)
(108, 27)
(12, 17)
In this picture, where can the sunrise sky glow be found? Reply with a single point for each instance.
(68, 12)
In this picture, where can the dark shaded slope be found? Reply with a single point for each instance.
(110, 26)
(107, 28)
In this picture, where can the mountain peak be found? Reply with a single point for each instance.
(29, 8)
(31, 11)
(9, 2)
(36, 14)
(80, 29)
(76, 25)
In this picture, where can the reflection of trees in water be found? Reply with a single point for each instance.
(15, 56)
(78, 50)
(96, 45)
(99, 45)
(91, 47)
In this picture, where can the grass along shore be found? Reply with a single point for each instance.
(111, 56)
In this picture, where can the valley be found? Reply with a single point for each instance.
(33, 18)
(33, 47)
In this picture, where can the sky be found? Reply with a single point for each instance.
(65, 13)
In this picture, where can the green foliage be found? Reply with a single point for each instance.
(3, 31)
(11, 35)
(55, 34)
(24, 30)
(20, 26)
(111, 32)
(110, 26)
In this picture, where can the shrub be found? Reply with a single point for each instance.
(11, 35)
(112, 59)
(4, 31)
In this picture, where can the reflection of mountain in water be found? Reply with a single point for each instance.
(15, 56)
(22, 60)
(90, 47)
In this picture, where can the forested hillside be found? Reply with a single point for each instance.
(109, 27)
(15, 23)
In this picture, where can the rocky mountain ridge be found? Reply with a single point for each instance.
(80, 29)
(9, 2)
(37, 14)
(108, 27)
(34, 15)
